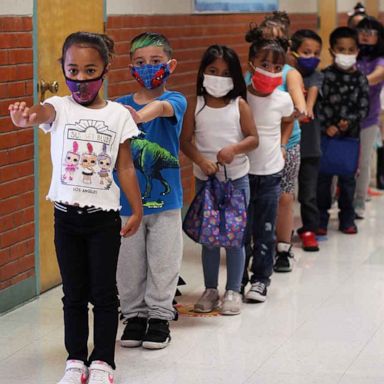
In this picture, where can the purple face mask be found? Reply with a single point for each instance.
(85, 92)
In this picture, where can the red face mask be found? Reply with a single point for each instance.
(265, 82)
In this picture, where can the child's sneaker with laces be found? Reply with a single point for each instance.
(208, 301)
(158, 335)
(231, 303)
(134, 332)
(283, 254)
(76, 372)
(257, 293)
(100, 373)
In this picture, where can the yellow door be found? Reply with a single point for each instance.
(55, 20)
(327, 13)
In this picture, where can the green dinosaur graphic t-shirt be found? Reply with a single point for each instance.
(155, 154)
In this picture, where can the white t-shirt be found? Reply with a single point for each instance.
(216, 128)
(84, 147)
(268, 111)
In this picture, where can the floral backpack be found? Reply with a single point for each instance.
(217, 215)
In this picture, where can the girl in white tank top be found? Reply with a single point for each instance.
(219, 129)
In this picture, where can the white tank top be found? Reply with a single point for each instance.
(216, 128)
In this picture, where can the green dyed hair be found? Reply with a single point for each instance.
(149, 39)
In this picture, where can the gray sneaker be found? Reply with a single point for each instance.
(231, 303)
(208, 301)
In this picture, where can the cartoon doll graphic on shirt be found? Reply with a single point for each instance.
(71, 162)
(88, 163)
(104, 162)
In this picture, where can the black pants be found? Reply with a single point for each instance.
(308, 174)
(347, 186)
(87, 247)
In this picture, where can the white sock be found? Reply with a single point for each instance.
(283, 247)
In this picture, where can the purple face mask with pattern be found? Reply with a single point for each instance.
(85, 92)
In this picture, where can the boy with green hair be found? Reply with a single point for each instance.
(149, 261)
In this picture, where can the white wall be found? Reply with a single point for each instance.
(298, 6)
(148, 7)
(16, 7)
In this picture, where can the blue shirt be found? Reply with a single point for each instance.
(155, 154)
(296, 132)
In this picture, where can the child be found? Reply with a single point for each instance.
(305, 49)
(356, 15)
(343, 105)
(219, 129)
(150, 261)
(277, 25)
(272, 110)
(87, 223)
(371, 63)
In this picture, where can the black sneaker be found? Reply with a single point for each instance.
(134, 332)
(257, 293)
(158, 335)
(282, 263)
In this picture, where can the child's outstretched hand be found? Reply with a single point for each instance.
(208, 167)
(332, 131)
(131, 226)
(21, 115)
(226, 155)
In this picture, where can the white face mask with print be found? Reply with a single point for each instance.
(345, 61)
(217, 86)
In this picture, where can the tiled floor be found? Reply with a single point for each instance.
(321, 324)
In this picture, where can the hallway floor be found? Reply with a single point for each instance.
(321, 324)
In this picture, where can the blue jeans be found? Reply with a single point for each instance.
(235, 255)
(260, 240)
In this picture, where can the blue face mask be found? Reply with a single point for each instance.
(151, 76)
(307, 64)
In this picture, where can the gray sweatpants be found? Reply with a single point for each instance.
(149, 265)
(367, 139)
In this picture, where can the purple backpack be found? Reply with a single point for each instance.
(217, 215)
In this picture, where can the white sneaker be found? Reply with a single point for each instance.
(208, 301)
(231, 303)
(76, 372)
(100, 373)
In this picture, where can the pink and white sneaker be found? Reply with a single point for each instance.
(100, 373)
(76, 372)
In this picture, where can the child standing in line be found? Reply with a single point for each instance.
(344, 104)
(87, 222)
(277, 25)
(150, 261)
(272, 110)
(219, 129)
(370, 62)
(305, 49)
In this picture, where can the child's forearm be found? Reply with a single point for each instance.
(286, 130)
(312, 97)
(246, 145)
(153, 110)
(130, 187)
(189, 149)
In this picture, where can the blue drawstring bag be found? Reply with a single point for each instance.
(340, 155)
(217, 215)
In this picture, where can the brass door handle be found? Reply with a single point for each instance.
(45, 86)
